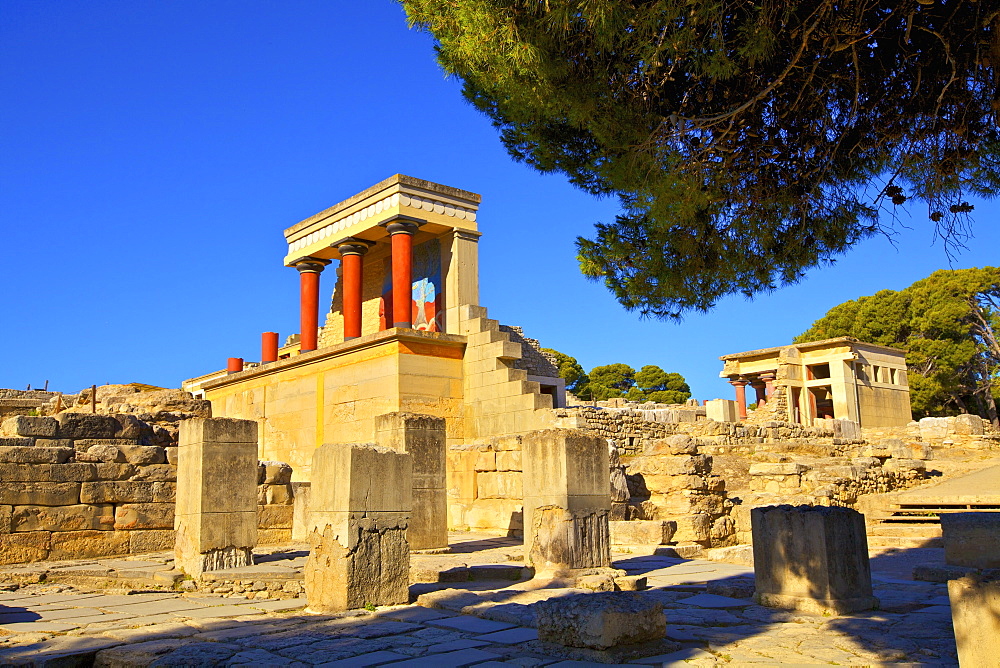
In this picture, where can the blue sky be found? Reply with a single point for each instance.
(151, 153)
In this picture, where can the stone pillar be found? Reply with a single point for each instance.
(721, 410)
(352, 253)
(811, 558)
(971, 540)
(401, 238)
(309, 271)
(768, 379)
(460, 263)
(759, 390)
(360, 503)
(234, 365)
(269, 347)
(741, 396)
(567, 500)
(216, 508)
(424, 438)
(975, 616)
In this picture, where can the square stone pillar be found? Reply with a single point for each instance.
(460, 261)
(811, 558)
(360, 503)
(425, 439)
(971, 540)
(567, 499)
(722, 410)
(975, 616)
(216, 508)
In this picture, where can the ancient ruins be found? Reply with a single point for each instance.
(409, 481)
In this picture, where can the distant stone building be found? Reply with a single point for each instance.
(834, 378)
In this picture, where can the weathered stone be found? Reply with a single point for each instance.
(811, 558)
(273, 536)
(117, 491)
(150, 540)
(16, 548)
(360, 500)
(486, 461)
(32, 455)
(155, 473)
(53, 442)
(144, 455)
(972, 539)
(87, 425)
(107, 471)
(144, 516)
(787, 468)
(975, 616)
(25, 425)
(87, 544)
(171, 453)
(692, 529)
(77, 517)
(40, 493)
(600, 621)
(565, 540)
(508, 460)
(300, 511)
(132, 427)
(274, 473)
(619, 486)
(70, 472)
(279, 495)
(721, 410)
(934, 428)
(966, 424)
(665, 484)
(109, 454)
(497, 485)
(652, 532)
(671, 465)
(16, 441)
(274, 517)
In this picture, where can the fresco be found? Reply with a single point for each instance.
(426, 299)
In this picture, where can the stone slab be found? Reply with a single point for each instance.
(369, 659)
(513, 636)
(714, 601)
(468, 624)
(465, 657)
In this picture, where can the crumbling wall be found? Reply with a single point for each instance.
(485, 487)
(533, 359)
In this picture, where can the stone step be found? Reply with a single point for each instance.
(902, 542)
(904, 530)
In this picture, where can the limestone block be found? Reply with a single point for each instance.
(423, 437)
(109, 454)
(53, 442)
(32, 455)
(87, 544)
(215, 541)
(133, 427)
(150, 540)
(975, 616)
(40, 493)
(275, 517)
(76, 517)
(16, 441)
(6, 513)
(619, 512)
(671, 465)
(144, 516)
(510, 442)
(172, 456)
(934, 428)
(486, 461)
(786, 468)
(155, 473)
(204, 465)
(508, 460)
(641, 532)
(300, 511)
(619, 486)
(279, 495)
(601, 620)
(87, 425)
(117, 491)
(218, 430)
(273, 536)
(358, 478)
(427, 535)
(563, 540)
(496, 485)
(904, 465)
(811, 558)
(689, 502)
(24, 425)
(16, 548)
(972, 539)
(70, 472)
(721, 410)
(274, 473)
(965, 425)
(107, 471)
(664, 484)
(692, 529)
(504, 515)
(144, 455)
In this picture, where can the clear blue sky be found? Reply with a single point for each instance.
(151, 153)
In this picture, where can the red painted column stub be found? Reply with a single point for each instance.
(269, 347)
(309, 271)
(401, 239)
(352, 253)
(234, 365)
(741, 396)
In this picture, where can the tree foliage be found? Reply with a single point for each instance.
(947, 323)
(612, 381)
(746, 141)
(569, 370)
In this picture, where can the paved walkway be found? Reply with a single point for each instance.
(709, 615)
(979, 487)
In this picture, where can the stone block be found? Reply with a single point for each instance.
(17, 548)
(971, 539)
(118, 491)
(31, 455)
(144, 455)
(300, 510)
(692, 529)
(88, 544)
(505, 515)
(218, 430)
(641, 532)
(278, 495)
(721, 410)
(600, 621)
(25, 425)
(497, 485)
(274, 473)
(133, 427)
(129, 516)
(6, 514)
(155, 473)
(619, 486)
(975, 617)
(16, 441)
(54, 442)
(87, 425)
(274, 517)
(811, 558)
(671, 465)
(509, 460)
(107, 471)
(78, 517)
(486, 461)
(785, 468)
(69, 472)
(273, 536)
(934, 428)
(40, 493)
(150, 540)
(171, 453)
(665, 484)
(566, 540)
(108, 454)
(965, 425)
(344, 480)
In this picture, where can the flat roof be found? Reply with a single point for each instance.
(850, 340)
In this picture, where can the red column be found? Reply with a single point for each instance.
(269, 347)
(401, 237)
(768, 379)
(761, 396)
(741, 396)
(234, 365)
(309, 271)
(351, 253)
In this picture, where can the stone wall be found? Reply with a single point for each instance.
(533, 359)
(485, 487)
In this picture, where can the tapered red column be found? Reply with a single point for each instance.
(402, 272)
(759, 389)
(269, 347)
(741, 396)
(309, 271)
(351, 253)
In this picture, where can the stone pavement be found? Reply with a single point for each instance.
(472, 622)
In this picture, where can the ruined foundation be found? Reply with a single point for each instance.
(811, 558)
(360, 509)
(216, 514)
